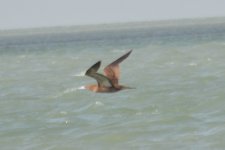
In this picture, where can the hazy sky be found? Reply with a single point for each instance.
(41, 13)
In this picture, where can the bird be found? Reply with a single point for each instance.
(109, 82)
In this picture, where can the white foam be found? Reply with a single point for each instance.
(81, 74)
(70, 90)
(81, 88)
(98, 103)
(193, 64)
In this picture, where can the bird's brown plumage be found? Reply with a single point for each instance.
(109, 82)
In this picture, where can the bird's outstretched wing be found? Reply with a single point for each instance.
(112, 71)
(102, 80)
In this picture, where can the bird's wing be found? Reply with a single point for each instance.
(102, 80)
(112, 71)
(94, 68)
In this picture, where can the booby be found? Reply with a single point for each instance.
(109, 82)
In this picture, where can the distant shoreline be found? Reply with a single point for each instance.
(113, 26)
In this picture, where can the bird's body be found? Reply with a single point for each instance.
(109, 82)
(96, 88)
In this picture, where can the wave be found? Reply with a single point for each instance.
(69, 90)
(81, 74)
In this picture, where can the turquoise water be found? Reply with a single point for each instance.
(177, 67)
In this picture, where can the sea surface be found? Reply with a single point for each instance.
(176, 67)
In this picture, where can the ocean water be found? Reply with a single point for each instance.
(176, 67)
